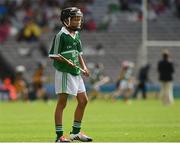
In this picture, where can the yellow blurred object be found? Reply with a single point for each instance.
(32, 29)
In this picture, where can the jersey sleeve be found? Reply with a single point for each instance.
(56, 46)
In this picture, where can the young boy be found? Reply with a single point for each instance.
(68, 80)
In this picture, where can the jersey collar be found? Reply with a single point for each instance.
(64, 30)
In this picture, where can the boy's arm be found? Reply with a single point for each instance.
(83, 66)
(55, 57)
(60, 59)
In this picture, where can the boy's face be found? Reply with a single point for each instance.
(76, 22)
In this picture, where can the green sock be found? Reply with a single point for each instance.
(59, 131)
(76, 127)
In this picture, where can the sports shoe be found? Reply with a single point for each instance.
(81, 137)
(62, 139)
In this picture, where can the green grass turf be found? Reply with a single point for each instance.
(105, 121)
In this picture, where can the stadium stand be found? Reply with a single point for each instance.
(120, 41)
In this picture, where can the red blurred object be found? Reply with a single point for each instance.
(91, 25)
(10, 87)
(4, 32)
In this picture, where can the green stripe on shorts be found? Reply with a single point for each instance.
(64, 82)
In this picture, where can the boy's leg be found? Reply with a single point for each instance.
(78, 115)
(61, 104)
(79, 112)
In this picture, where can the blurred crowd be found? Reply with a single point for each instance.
(27, 20)
(21, 89)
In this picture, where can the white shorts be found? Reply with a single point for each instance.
(69, 84)
(124, 84)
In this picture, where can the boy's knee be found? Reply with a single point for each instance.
(83, 103)
(63, 105)
(62, 101)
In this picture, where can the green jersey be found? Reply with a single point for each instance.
(69, 47)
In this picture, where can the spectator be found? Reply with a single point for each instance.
(104, 23)
(41, 18)
(7, 85)
(166, 70)
(177, 4)
(38, 82)
(20, 84)
(4, 30)
(110, 18)
(124, 5)
(30, 32)
(90, 25)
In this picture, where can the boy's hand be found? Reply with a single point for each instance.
(71, 63)
(86, 73)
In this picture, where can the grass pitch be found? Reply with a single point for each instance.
(105, 121)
